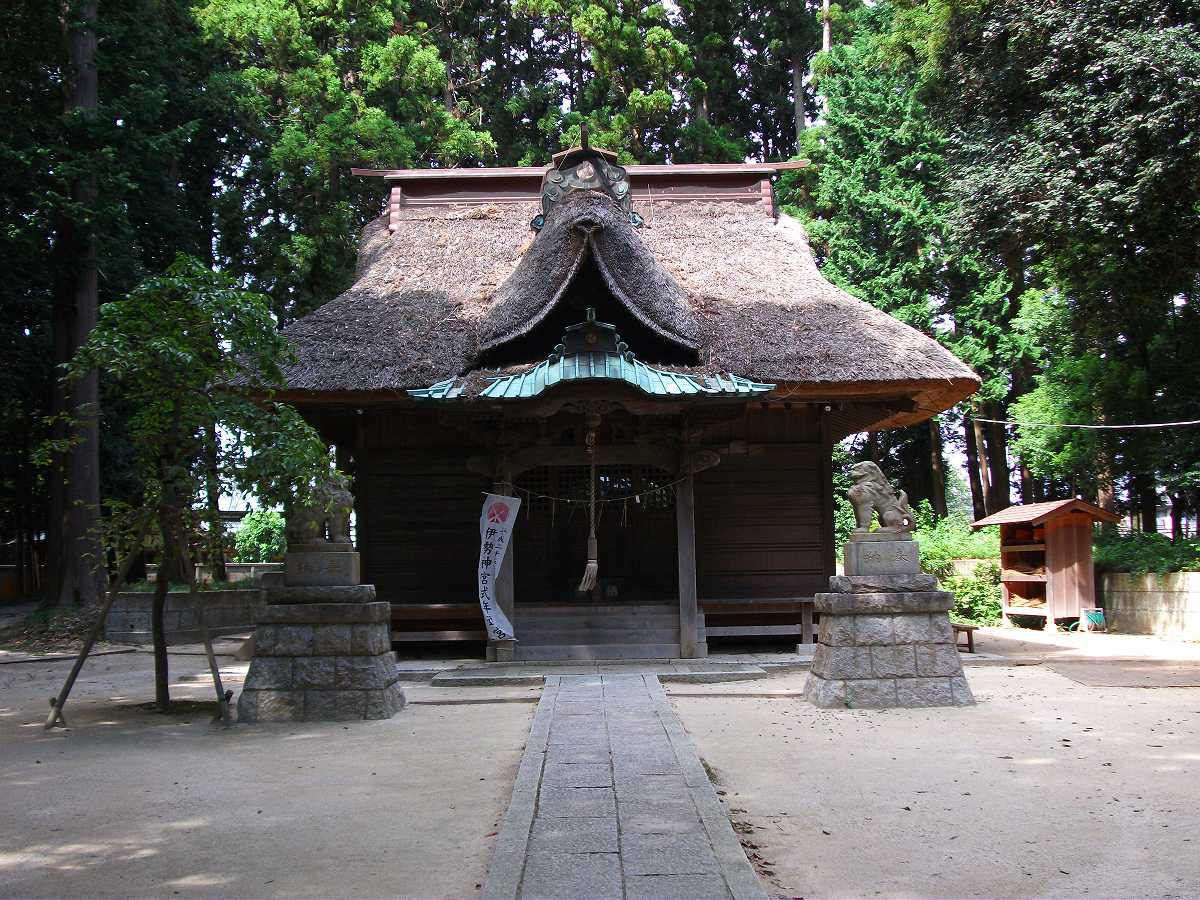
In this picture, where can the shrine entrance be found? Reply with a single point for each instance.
(635, 530)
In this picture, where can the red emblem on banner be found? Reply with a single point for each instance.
(497, 513)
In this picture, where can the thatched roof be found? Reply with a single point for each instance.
(725, 280)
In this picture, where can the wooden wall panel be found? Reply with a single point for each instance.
(419, 537)
(760, 524)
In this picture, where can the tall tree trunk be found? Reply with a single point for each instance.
(1106, 494)
(937, 473)
(212, 493)
(985, 477)
(1146, 498)
(1029, 485)
(971, 443)
(826, 27)
(162, 678)
(798, 93)
(76, 564)
(996, 452)
(1178, 508)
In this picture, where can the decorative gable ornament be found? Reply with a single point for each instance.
(585, 168)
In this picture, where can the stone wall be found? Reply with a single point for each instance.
(1166, 604)
(225, 612)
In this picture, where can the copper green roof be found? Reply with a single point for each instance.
(593, 351)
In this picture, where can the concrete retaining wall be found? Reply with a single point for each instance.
(234, 572)
(225, 612)
(1167, 605)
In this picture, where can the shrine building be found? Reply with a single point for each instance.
(644, 355)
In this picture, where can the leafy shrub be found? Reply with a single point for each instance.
(1140, 552)
(260, 537)
(977, 596)
(950, 538)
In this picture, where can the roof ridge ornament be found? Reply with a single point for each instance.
(585, 168)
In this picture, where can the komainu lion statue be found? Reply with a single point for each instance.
(871, 493)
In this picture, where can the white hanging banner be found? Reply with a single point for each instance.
(495, 531)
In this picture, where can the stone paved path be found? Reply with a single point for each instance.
(611, 800)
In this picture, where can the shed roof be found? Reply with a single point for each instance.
(1036, 513)
(739, 286)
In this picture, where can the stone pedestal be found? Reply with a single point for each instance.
(322, 651)
(886, 639)
(321, 563)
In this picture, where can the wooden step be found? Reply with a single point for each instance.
(526, 651)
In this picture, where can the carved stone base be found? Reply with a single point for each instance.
(328, 662)
(863, 555)
(321, 567)
(884, 648)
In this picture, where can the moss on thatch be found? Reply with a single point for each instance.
(743, 289)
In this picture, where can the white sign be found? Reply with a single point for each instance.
(495, 531)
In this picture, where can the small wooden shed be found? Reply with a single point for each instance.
(1046, 557)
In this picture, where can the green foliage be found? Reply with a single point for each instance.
(1139, 553)
(977, 597)
(945, 540)
(260, 537)
(174, 347)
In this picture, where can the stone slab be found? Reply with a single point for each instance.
(327, 614)
(883, 603)
(882, 557)
(321, 567)
(881, 584)
(333, 593)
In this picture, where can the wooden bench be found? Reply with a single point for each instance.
(437, 622)
(969, 631)
(759, 617)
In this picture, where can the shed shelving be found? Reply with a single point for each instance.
(1046, 558)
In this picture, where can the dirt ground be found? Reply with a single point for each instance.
(129, 803)
(1056, 784)
(1047, 788)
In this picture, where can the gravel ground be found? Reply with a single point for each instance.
(1047, 787)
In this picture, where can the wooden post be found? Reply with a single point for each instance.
(685, 526)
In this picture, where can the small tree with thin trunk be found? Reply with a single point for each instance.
(189, 349)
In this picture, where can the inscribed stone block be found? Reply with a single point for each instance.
(872, 693)
(893, 661)
(938, 659)
(916, 692)
(881, 558)
(269, 673)
(320, 569)
(914, 629)
(870, 630)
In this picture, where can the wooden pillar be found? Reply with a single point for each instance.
(685, 526)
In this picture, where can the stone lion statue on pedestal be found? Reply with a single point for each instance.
(326, 517)
(871, 493)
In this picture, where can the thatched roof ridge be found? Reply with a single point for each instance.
(450, 281)
(589, 224)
